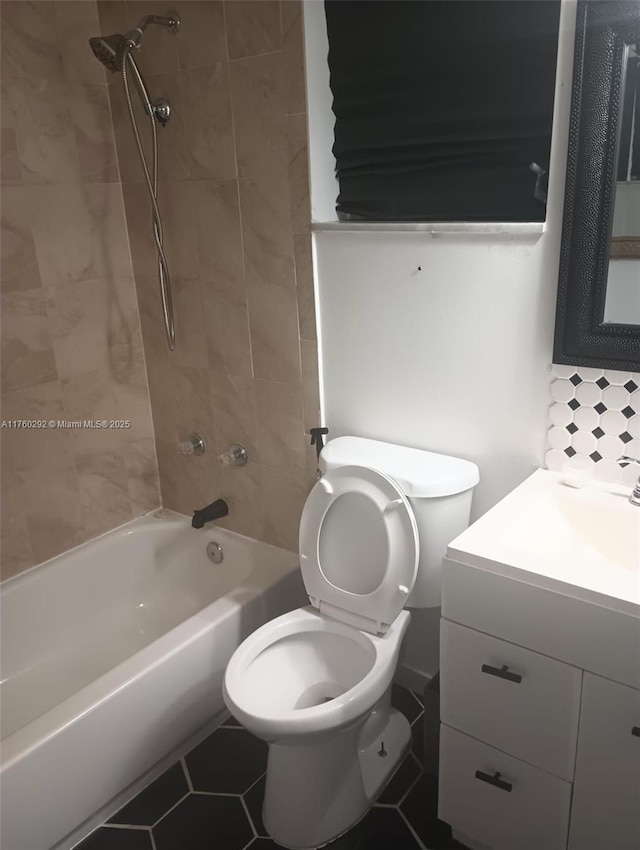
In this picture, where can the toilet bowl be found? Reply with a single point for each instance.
(315, 683)
(318, 691)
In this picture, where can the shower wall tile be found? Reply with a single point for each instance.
(10, 171)
(189, 322)
(257, 87)
(76, 22)
(216, 218)
(112, 15)
(310, 383)
(299, 173)
(142, 475)
(236, 229)
(30, 42)
(226, 322)
(284, 494)
(104, 491)
(267, 232)
(26, 452)
(64, 250)
(15, 544)
(91, 119)
(253, 27)
(280, 412)
(208, 123)
(18, 261)
(202, 34)
(293, 55)
(304, 286)
(44, 133)
(274, 333)
(72, 346)
(27, 351)
(234, 404)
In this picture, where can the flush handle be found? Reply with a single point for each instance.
(494, 780)
(502, 673)
(636, 731)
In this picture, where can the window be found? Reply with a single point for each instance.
(442, 108)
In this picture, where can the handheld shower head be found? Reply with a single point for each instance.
(110, 50)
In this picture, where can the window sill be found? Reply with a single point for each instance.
(433, 228)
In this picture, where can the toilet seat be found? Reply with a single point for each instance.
(359, 547)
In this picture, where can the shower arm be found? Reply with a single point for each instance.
(172, 20)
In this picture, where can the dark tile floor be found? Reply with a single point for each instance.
(212, 800)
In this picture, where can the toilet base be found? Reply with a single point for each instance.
(318, 790)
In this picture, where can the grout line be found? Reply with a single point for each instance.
(416, 759)
(175, 805)
(186, 773)
(412, 830)
(249, 818)
(255, 56)
(254, 783)
(409, 789)
(153, 840)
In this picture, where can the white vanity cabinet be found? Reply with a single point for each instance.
(540, 677)
(606, 793)
(534, 752)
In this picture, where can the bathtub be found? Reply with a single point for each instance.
(113, 655)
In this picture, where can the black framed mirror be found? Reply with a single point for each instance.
(598, 307)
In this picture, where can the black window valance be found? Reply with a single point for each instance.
(441, 107)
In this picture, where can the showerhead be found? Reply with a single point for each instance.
(110, 50)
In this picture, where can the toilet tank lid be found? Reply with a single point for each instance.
(419, 473)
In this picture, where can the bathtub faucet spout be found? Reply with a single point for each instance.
(216, 510)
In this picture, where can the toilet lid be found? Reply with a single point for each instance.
(358, 547)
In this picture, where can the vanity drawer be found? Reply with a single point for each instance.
(530, 709)
(522, 808)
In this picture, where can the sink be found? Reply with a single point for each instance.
(606, 522)
(585, 542)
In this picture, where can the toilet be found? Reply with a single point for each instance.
(316, 683)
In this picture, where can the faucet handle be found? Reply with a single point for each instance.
(236, 455)
(193, 445)
(625, 460)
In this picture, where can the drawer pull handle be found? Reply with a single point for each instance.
(494, 780)
(636, 731)
(502, 673)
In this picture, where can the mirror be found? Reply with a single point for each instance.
(622, 300)
(598, 307)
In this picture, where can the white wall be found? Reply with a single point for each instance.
(454, 358)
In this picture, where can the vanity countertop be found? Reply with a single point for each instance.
(583, 543)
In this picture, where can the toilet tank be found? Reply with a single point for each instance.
(438, 487)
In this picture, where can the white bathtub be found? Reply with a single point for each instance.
(113, 655)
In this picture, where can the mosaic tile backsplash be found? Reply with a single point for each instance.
(594, 420)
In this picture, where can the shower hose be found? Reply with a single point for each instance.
(152, 185)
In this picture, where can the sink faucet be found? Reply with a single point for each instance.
(216, 510)
(624, 461)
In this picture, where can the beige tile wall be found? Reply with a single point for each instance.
(235, 202)
(71, 343)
